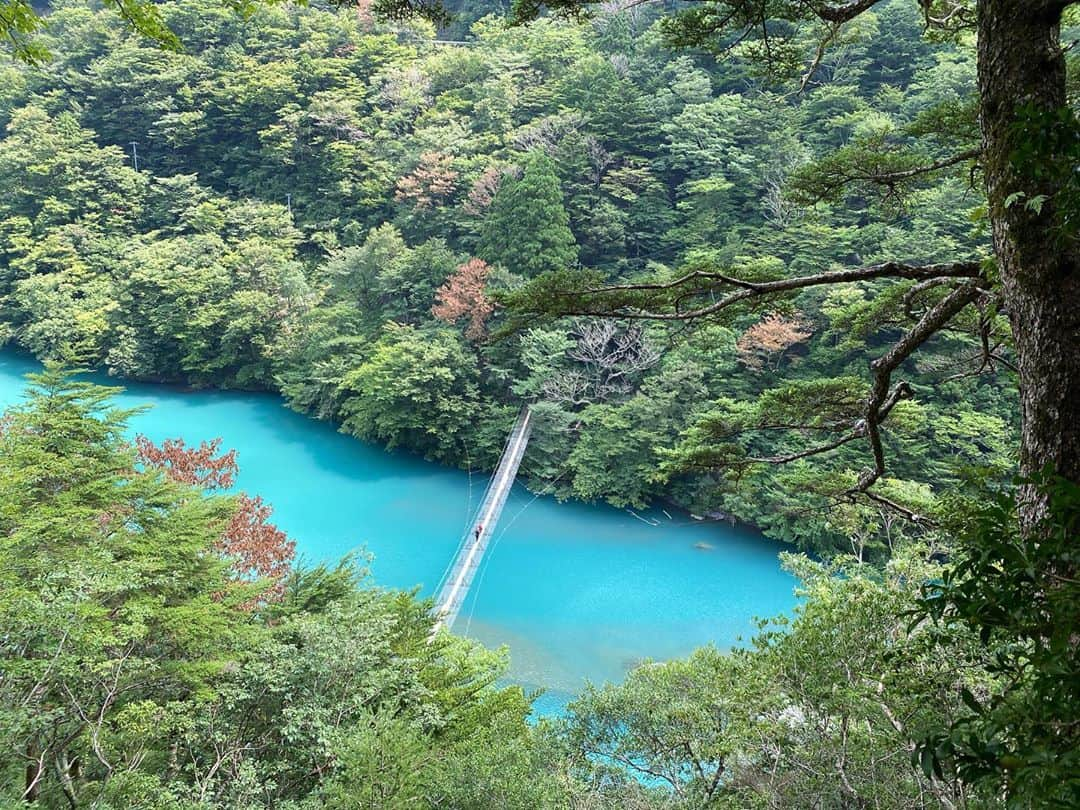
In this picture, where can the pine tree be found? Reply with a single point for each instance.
(527, 228)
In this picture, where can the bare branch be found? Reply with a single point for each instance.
(568, 388)
(611, 356)
(911, 515)
(855, 433)
(880, 396)
(819, 54)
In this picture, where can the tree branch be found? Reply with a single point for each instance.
(881, 400)
(902, 391)
(847, 11)
(849, 173)
(910, 514)
(580, 303)
(819, 55)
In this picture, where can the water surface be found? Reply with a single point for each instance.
(577, 591)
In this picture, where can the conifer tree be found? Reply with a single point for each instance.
(527, 228)
(114, 612)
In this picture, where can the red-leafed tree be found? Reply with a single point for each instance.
(463, 296)
(199, 466)
(770, 338)
(257, 548)
(432, 181)
(365, 14)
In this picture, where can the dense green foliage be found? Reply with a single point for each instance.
(332, 207)
(1020, 593)
(821, 712)
(306, 177)
(134, 671)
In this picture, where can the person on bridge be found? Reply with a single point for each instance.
(479, 528)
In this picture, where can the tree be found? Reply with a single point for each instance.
(417, 389)
(770, 338)
(350, 702)
(633, 726)
(608, 362)
(353, 272)
(1029, 143)
(407, 289)
(1006, 586)
(20, 22)
(116, 612)
(430, 183)
(620, 445)
(526, 228)
(59, 173)
(821, 711)
(1028, 135)
(137, 671)
(463, 296)
(485, 187)
(256, 548)
(205, 306)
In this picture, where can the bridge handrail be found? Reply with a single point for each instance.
(456, 586)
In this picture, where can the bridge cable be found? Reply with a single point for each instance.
(471, 518)
(491, 549)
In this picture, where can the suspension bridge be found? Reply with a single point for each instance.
(459, 576)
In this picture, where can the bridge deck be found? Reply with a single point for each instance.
(456, 587)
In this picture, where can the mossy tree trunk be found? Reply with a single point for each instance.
(1022, 74)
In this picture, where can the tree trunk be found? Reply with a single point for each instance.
(1020, 63)
(33, 774)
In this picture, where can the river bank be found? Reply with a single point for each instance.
(577, 591)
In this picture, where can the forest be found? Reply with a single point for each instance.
(807, 266)
(331, 208)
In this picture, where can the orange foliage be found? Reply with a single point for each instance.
(770, 337)
(484, 189)
(256, 547)
(365, 15)
(199, 466)
(463, 296)
(432, 181)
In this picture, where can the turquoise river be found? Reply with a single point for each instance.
(577, 591)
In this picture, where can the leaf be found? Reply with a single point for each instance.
(1036, 203)
(926, 761)
(1013, 198)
